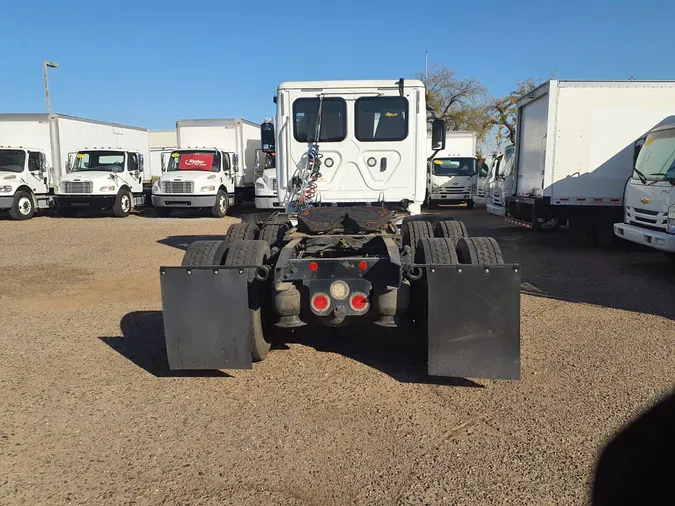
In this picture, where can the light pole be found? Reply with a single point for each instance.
(45, 65)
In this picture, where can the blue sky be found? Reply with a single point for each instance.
(148, 63)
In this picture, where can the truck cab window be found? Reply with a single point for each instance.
(333, 119)
(226, 162)
(381, 119)
(33, 161)
(12, 160)
(132, 162)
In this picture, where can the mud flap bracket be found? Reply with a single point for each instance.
(474, 321)
(206, 317)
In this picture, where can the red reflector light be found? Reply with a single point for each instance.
(313, 266)
(363, 265)
(320, 302)
(359, 302)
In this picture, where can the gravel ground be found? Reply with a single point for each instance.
(92, 415)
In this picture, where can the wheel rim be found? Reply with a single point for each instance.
(125, 203)
(547, 222)
(25, 206)
(221, 204)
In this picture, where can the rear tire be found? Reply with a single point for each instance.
(23, 207)
(413, 231)
(220, 208)
(122, 206)
(241, 232)
(66, 212)
(205, 254)
(273, 234)
(470, 204)
(453, 230)
(243, 253)
(163, 212)
(479, 251)
(545, 225)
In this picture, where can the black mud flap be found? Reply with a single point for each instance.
(474, 321)
(206, 317)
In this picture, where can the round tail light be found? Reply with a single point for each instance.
(320, 302)
(359, 302)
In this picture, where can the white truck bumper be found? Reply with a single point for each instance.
(267, 203)
(450, 197)
(183, 200)
(496, 210)
(645, 236)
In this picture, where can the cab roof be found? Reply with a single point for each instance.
(352, 84)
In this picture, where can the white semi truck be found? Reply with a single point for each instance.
(500, 181)
(351, 161)
(452, 177)
(575, 151)
(38, 151)
(649, 197)
(213, 167)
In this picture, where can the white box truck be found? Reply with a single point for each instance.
(649, 197)
(212, 168)
(35, 159)
(575, 151)
(452, 173)
(162, 143)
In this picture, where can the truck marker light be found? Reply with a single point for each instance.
(313, 266)
(363, 265)
(339, 290)
(359, 302)
(320, 302)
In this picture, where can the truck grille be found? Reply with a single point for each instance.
(647, 218)
(78, 187)
(454, 190)
(177, 186)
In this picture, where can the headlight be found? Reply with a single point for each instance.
(435, 187)
(671, 220)
(260, 185)
(209, 188)
(5, 189)
(110, 188)
(157, 187)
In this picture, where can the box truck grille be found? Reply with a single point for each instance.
(647, 218)
(454, 191)
(178, 186)
(78, 187)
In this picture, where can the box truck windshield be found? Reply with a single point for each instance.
(656, 161)
(100, 161)
(194, 160)
(12, 160)
(454, 167)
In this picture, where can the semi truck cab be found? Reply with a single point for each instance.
(197, 178)
(266, 181)
(649, 197)
(24, 181)
(101, 179)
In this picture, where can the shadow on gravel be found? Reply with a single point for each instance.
(637, 466)
(142, 342)
(182, 242)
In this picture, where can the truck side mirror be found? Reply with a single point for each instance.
(235, 162)
(438, 135)
(267, 137)
(163, 158)
(140, 162)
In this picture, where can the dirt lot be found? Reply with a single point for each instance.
(92, 415)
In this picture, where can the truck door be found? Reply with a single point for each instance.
(37, 167)
(229, 170)
(134, 174)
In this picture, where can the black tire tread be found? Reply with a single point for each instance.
(241, 232)
(436, 251)
(204, 254)
(451, 230)
(273, 234)
(479, 251)
(414, 231)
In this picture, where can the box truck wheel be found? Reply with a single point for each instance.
(205, 254)
(479, 250)
(453, 230)
(243, 253)
(219, 209)
(122, 205)
(22, 206)
(546, 224)
(413, 231)
(470, 204)
(163, 212)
